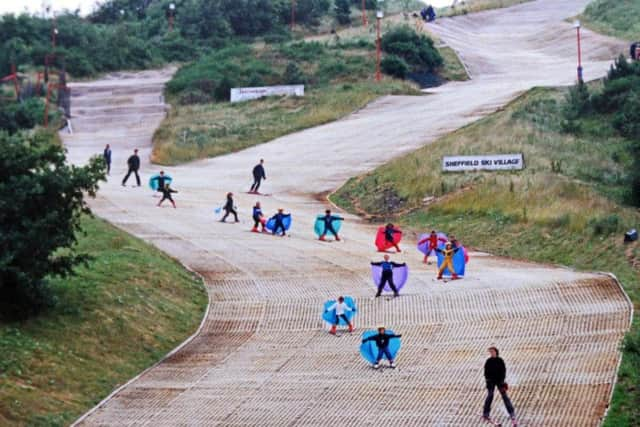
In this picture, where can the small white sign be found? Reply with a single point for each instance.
(486, 162)
(240, 94)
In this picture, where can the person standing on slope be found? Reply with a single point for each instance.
(328, 225)
(106, 155)
(166, 195)
(341, 308)
(133, 162)
(432, 239)
(229, 208)
(278, 222)
(387, 275)
(382, 341)
(495, 373)
(161, 180)
(258, 218)
(258, 176)
(389, 231)
(448, 252)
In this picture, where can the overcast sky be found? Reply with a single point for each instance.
(86, 6)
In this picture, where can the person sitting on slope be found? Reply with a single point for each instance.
(341, 308)
(279, 222)
(328, 225)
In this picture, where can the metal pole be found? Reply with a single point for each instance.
(293, 14)
(15, 81)
(579, 56)
(54, 30)
(364, 13)
(378, 51)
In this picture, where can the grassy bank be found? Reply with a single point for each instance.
(618, 18)
(563, 208)
(472, 6)
(119, 315)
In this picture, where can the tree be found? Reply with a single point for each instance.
(343, 12)
(41, 202)
(416, 49)
(395, 66)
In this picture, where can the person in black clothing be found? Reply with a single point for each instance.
(389, 231)
(633, 51)
(229, 208)
(387, 275)
(328, 225)
(162, 181)
(166, 195)
(258, 175)
(106, 155)
(382, 341)
(133, 162)
(495, 373)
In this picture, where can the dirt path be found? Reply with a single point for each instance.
(263, 357)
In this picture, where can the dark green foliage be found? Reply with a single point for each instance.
(415, 49)
(21, 115)
(293, 74)
(369, 4)
(41, 201)
(343, 12)
(605, 226)
(394, 66)
(577, 104)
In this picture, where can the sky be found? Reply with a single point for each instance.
(86, 6)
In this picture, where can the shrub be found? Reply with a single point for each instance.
(15, 116)
(604, 226)
(41, 200)
(293, 74)
(577, 102)
(343, 11)
(394, 66)
(416, 49)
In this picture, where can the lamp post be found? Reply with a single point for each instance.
(364, 13)
(54, 33)
(576, 25)
(379, 16)
(293, 14)
(171, 13)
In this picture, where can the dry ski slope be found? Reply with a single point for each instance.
(262, 356)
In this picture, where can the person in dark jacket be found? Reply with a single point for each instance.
(258, 218)
(495, 373)
(387, 275)
(279, 222)
(431, 14)
(161, 180)
(328, 225)
(389, 231)
(382, 341)
(229, 208)
(106, 155)
(133, 162)
(166, 195)
(258, 176)
(633, 50)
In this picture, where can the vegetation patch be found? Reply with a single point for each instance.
(618, 18)
(465, 7)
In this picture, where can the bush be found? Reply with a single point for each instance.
(394, 66)
(343, 11)
(41, 200)
(605, 225)
(416, 49)
(293, 74)
(223, 89)
(15, 116)
(577, 102)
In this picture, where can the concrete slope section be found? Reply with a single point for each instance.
(263, 356)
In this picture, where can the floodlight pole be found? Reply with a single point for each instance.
(364, 13)
(379, 16)
(293, 14)
(576, 25)
(54, 33)
(172, 9)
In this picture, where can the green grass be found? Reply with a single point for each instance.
(119, 315)
(618, 18)
(208, 130)
(563, 208)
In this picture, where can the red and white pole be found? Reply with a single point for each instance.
(364, 13)
(378, 47)
(576, 24)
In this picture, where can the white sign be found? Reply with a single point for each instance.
(489, 162)
(247, 93)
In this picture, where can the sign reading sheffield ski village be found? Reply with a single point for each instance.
(489, 163)
(240, 94)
